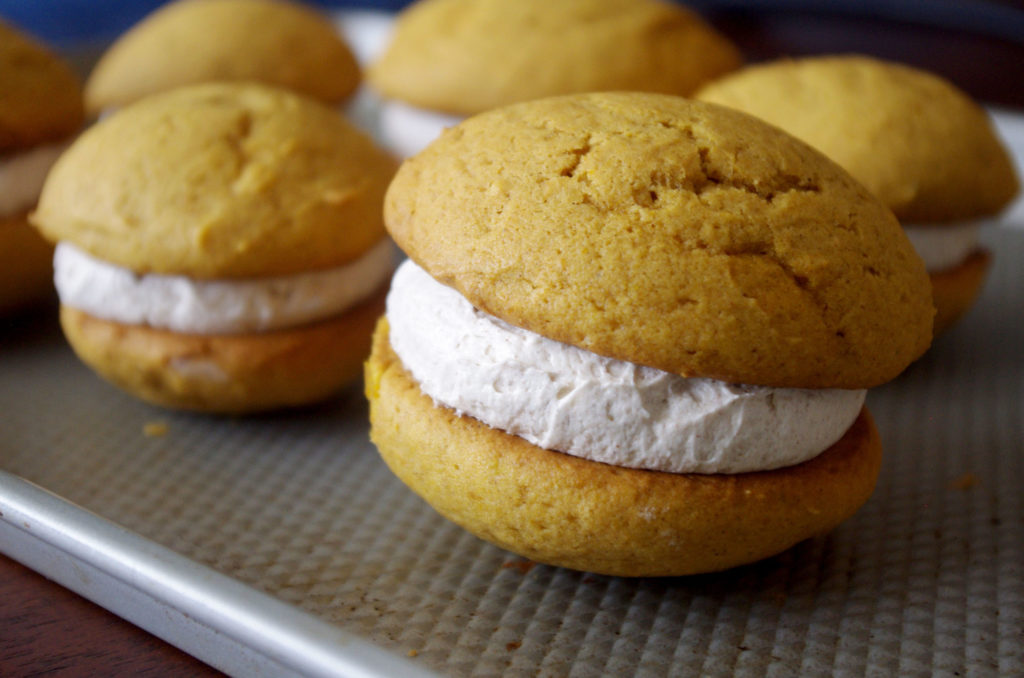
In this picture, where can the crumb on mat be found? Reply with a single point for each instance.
(154, 429)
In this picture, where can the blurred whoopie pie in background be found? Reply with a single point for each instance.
(448, 59)
(40, 111)
(277, 42)
(220, 247)
(915, 140)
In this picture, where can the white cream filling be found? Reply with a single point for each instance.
(22, 176)
(942, 246)
(182, 304)
(561, 397)
(407, 130)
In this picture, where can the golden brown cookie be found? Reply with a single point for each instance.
(40, 97)
(916, 141)
(467, 56)
(568, 511)
(40, 107)
(190, 41)
(669, 233)
(217, 183)
(226, 373)
(224, 180)
(26, 274)
(919, 143)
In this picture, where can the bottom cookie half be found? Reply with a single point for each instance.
(955, 290)
(227, 373)
(567, 511)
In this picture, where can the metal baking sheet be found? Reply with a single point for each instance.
(928, 578)
(280, 544)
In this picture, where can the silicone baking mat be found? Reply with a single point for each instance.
(927, 579)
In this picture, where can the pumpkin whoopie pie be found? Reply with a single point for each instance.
(915, 140)
(186, 42)
(634, 333)
(220, 247)
(448, 59)
(40, 111)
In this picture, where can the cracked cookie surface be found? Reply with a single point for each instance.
(669, 233)
(219, 181)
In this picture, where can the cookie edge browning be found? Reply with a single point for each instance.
(265, 371)
(26, 271)
(562, 510)
(954, 291)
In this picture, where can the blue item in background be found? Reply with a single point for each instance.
(69, 22)
(977, 44)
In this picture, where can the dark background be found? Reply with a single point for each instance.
(978, 44)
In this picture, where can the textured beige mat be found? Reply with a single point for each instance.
(928, 578)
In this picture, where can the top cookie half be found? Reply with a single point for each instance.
(467, 56)
(223, 180)
(670, 233)
(916, 141)
(193, 41)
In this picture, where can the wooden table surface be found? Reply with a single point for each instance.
(47, 630)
